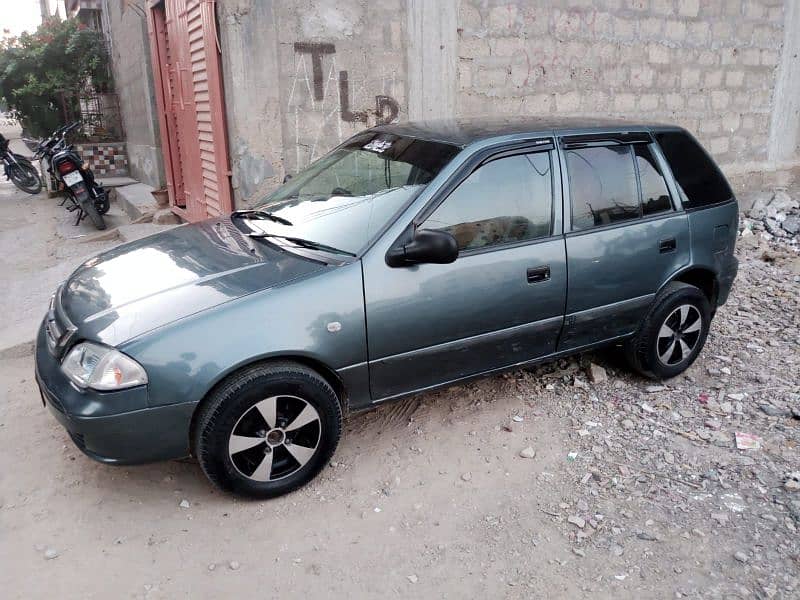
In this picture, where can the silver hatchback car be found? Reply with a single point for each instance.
(410, 257)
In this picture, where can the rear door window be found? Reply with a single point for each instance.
(655, 195)
(602, 184)
(700, 182)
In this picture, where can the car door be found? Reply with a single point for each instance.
(625, 237)
(501, 302)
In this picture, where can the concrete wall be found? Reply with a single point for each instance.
(133, 78)
(302, 76)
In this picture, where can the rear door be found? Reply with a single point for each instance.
(625, 236)
(500, 303)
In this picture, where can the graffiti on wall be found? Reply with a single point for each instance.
(386, 108)
(330, 104)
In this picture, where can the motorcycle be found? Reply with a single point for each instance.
(66, 167)
(19, 170)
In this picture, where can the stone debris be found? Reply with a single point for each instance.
(577, 521)
(709, 456)
(747, 441)
(466, 476)
(184, 503)
(597, 374)
(50, 554)
(234, 565)
(412, 578)
(527, 452)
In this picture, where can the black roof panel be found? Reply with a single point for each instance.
(465, 131)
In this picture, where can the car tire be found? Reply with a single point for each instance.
(242, 452)
(672, 334)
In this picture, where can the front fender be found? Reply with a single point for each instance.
(320, 318)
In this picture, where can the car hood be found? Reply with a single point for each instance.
(145, 284)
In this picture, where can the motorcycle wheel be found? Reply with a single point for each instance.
(25, 177)
(95, 217)
(101, 202)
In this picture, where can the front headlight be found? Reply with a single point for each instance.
(102, 368)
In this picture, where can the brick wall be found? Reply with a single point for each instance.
(709, 66)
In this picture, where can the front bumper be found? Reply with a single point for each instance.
(112, 427)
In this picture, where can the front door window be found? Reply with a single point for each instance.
(505, 201)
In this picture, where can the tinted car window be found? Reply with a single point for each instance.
(655, 195)
(602, 182)
(699, 180)
(507, 200)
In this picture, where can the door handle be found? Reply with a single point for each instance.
(537, 274)
(667, 245)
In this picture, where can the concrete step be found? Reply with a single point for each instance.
(135, 199)
(113, 182)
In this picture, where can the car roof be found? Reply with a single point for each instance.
(462, 132)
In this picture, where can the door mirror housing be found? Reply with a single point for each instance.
(427, 246)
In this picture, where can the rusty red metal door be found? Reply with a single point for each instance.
(188, 81)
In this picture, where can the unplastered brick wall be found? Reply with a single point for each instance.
(708, 65)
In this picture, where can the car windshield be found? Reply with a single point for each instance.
(345, 198)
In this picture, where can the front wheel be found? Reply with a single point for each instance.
(25, 177)
(673, 333)
(268, 430)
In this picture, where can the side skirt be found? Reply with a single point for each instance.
(512, 367)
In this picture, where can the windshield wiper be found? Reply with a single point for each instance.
(303, 243)
(260, 215)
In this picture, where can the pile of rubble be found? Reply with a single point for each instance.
(775, 213)
(698, 474)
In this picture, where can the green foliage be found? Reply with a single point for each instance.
(42, 73)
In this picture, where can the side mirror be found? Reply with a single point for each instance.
(287, 177)
(428, 246)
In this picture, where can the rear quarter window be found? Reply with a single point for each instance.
(700, 182)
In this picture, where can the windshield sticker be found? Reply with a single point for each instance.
(378, 145)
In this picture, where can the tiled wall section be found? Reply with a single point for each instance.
(106, 159)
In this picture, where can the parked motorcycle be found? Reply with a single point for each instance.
(19, 170)
(67, 169)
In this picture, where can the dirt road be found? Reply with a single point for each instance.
(636, 489)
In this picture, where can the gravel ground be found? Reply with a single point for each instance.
(573, 480)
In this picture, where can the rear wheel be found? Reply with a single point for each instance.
(673, 333)
(95, 217)
(268, 430)
(101, 202)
